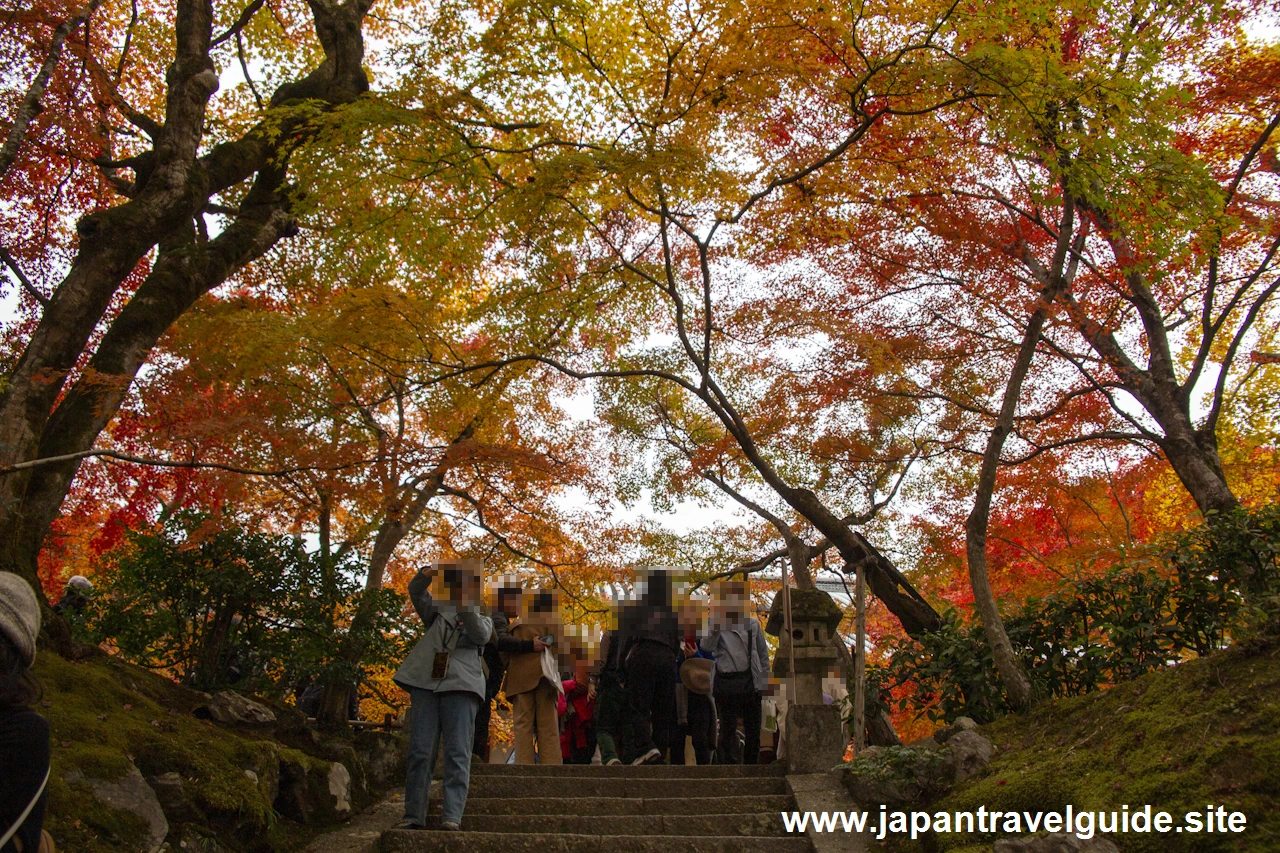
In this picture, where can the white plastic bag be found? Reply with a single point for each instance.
(550, 670)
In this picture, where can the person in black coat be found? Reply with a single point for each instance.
(650, 635)
(24, 734)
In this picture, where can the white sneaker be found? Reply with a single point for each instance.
(613, 762)
(647, 757)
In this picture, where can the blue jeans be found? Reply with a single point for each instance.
(450, 717)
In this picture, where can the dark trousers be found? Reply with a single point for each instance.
(700, 715)
(480, 745)
(651, 692)
(583, 754)
(612, 717)
(731, 707)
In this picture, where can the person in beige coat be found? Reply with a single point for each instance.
(531, 694)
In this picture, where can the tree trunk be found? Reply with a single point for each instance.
(174, 183)
(799, 556)
(1016, 683)
(880, 730)
(328, 580)
(860, 662)
(182, 273)
(211, 658)
(30, 105)
(1194, 458)
(889, 585)
(1191, 451)
(400, 519)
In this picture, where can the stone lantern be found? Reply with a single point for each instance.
(814, 620)
(815, 738)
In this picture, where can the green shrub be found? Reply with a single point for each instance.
(215, 606)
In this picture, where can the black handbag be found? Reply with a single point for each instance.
(734, 684)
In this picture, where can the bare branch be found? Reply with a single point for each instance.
(240, 23)
(244, 69)
(22, 278)
(30, 106)
(174, 463)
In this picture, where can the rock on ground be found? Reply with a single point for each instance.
(361, 834)
(131, 794)
(231, 708)
(1056, 842)
(314, 792)
(171, 793)
(970, 752)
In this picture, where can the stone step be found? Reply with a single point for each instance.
(649, 771)
(569, 786)
(626, 806)
(432, 841)
(755, 825)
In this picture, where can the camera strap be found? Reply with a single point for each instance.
(22, 818)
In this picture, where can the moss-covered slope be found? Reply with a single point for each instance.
(1206, 731)
(105, 713)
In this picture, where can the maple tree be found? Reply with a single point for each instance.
(1066, 257)
(973, 284)
(657, 197)
(177, 190)
(358, 441)
(1130, 216)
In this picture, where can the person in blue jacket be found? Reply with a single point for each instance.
(445, 681)
(696, 708)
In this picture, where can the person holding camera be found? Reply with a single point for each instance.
(445, 681)
(24, 734)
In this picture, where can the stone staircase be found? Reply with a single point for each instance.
(577, 809)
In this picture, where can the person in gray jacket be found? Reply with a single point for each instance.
(741, 676)
(445, 680)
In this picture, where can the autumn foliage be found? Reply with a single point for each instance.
(978, 297)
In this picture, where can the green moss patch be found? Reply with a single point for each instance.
(1206, 731)
(104, 714)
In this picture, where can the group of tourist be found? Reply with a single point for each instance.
(663, 674)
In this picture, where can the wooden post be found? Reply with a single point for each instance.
(860, 663)
(786, 626)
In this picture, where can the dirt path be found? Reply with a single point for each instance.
(361, 833)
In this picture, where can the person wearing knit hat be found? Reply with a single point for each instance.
(24, 734)
(19, 615)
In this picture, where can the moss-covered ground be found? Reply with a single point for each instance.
(1204, 732)
(104, 713)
